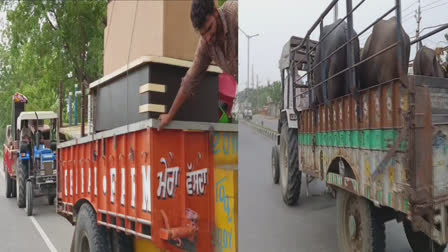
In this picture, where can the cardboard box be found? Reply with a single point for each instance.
(147, 28)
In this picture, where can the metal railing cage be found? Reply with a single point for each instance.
(307, 47)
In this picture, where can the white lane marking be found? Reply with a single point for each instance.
(2, 172)
(43, 235)
(36, 224)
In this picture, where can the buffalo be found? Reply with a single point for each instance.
(384, 67)
(339, 85)
(425, 63)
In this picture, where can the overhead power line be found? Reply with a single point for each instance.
(410, 5)
(435, 7)
(431, 3)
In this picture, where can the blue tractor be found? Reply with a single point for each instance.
(36, 172)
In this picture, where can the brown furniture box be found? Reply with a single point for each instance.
(162, 28)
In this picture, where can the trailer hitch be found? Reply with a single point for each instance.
(188, 230)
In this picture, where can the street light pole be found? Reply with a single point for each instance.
(248, 49)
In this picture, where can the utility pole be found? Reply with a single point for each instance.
(60, 104)
(335, 12)
(248, 49)
(418, 17)
(257, 80)
(253, 76)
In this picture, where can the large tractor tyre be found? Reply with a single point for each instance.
(8, 184)
(275, 165)
(359, 227)
(89, 236)
(14, 188)
(419, 241)
(29, 198)
(121, 242)
(290, 175)
(21, 185)
(50, 199)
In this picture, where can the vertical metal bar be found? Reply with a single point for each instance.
(292, 69)
(400, 43)
(283, 102)
(336, 12)
(323, 66)
(76, 105)
(289, 79)
(353, 84)
(350, 50)
(83, 108)
(70, 109)
(282, 74)
(308, 74)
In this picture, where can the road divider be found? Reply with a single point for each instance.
(268, 133)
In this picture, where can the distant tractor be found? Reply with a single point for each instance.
(247, 114)
(36, 169)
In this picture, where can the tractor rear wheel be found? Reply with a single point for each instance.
(275, 166)
(50, 199)
(14, 187)
(8, 184)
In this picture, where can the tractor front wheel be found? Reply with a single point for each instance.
(21, 185)
(290, 175)
(29, 198)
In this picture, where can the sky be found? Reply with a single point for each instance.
(277, 20)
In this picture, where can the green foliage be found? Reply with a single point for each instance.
(261, 96)
(43, 42)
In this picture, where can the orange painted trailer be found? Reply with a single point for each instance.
(135, 183)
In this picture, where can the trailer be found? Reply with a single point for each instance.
(11, 147)
(137, 188)
(9, 164)
(381, 149)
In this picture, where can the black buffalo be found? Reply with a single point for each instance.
(425, 63)
(384, 67)
(339, 85)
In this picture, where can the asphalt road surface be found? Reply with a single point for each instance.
(267, 224)
(266, 122)
(44, 231)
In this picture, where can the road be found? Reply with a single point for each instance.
(266, 122)
(266, 224)
(44, 231)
